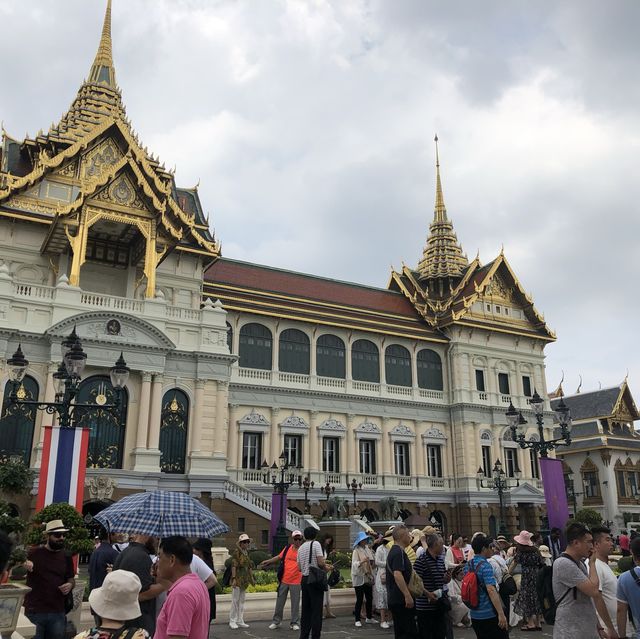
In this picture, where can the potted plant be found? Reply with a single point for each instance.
(15, 478)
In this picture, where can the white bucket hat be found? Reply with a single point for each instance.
(117, 598)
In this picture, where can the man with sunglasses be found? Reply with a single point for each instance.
(50, 575)
(290, 579)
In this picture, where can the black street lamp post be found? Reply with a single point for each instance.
(571, 492)
(518, 423)
(281, 476)
(306, 484)
(354, 487)
(66, 382)
(328, 490)
(499, 482)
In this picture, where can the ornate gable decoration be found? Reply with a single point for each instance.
(486, 436)
(402, 430)
(369, 427)
(254, 419)
(332, 424)
(434, 436)
(294, 422)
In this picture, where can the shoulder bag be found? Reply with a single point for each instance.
(317, 577)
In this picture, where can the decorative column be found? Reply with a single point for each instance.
(413, 453)
(234, 438)
(276, 447)
(386, 445)
(350, 439)
(222, 411)
(49, 396)
(143, 411)
(147, 456)
(196, 430)
(311, 451)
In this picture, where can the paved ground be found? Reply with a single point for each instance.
(341, 628)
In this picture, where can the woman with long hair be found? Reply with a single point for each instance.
(528, 558)
(455, 554)
(327, 548)
(380, 598)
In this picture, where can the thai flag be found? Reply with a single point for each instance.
(63, 468)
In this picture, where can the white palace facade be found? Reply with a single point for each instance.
(402, 388)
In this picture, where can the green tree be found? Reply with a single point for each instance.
(16, 478)
(589, 517)
(77, 539)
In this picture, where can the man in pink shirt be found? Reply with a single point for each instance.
(185, 614)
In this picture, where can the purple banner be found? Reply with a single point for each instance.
(555, 494)
(276, 500)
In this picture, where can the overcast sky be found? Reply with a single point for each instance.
(310, 127)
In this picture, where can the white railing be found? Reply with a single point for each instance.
(112, 302)
(368, 387)
(34, 290)
(405, 482)
(369, 480)
(252, 501)
(505, 399)
(437, 482)
(333, 478)
(184, 314)
(293, 378)
(331, 382)
(254, 373)
(400, 390)
(254, 476)
(482, 396)
(431, 394)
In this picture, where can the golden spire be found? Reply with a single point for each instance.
(442, 256)
(102, 70)
(440, 211)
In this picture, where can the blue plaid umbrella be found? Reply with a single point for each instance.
(162, 514)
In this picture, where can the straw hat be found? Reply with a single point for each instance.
(429, 530)
(117, 598)
(544, 551)
(361, 536)
(501, 538)
(55, 526)
(389, 533)
(243, 537)
(416, 533)
(524, 538)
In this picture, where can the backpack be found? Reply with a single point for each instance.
(544, 591)
(280, 571)
(226, 576)
(470, 586)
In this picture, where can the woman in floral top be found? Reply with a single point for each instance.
(241, 579)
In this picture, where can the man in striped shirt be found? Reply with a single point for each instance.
(430, 610)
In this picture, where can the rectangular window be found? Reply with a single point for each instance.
(503, 383)
(591, 484)
(251, 451)
(401, 458)
(434, 461)
(526, 386)
(331, 454)
(264, 537)
(480, 381)
(511, 459)
(486, 460)
(622, 488)
(535, 468)
(241, 524)
(293, 450)
(633, 489)
(368, 456)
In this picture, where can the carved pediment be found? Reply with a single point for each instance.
(100, 159)
(122, 192)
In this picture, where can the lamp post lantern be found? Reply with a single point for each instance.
(501, 483)
(328, 490)
(66, 382)
(306, 484)
(354, 487)
(518, 423)
(281, 476)
(571, 492)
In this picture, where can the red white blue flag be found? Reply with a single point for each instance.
(63, 468)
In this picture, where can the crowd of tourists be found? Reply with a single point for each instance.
(407, 581)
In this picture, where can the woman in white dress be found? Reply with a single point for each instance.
(380, 601)
(459, 613)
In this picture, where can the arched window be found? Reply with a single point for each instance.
(255, 347)
(106, 429)
(429, 367)
(17, 422)
(365, 361)
(174, 421)
(293, 352)
(230, 337)
(397, 365)
(330, 357)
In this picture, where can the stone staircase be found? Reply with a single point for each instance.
(260, 505)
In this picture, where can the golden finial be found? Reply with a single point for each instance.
(102, 70)
(440, 213)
